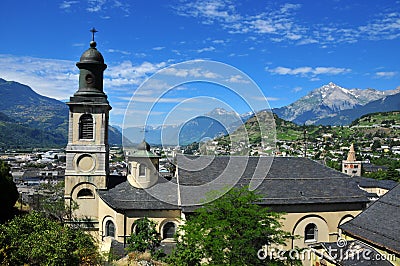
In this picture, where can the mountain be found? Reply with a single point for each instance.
(17, 135)
(385, 104)
(216, 123)
(382, 124)
(328, 101)
(22, 104)
(28, 119)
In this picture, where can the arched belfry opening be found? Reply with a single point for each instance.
(86, 126)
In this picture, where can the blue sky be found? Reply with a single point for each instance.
(286, 47)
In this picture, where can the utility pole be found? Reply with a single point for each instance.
(305, 141)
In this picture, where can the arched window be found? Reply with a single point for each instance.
(85, 193)
(142, 169)
(86, 127)
(110, 228)
(310, 232)
(169, 230)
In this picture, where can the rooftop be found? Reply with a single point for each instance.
(379, 224)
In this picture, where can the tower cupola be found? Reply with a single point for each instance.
(91, 67)
(143, 166)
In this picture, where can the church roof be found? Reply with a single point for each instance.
(379, 224)
(124, 196)
(289, 181)
(366, 182)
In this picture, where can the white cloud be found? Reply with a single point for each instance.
(190, 72)
(148, 99)
(263, 99)
(297, 89)
(67, 4)
(95, 5)
(237, 79)
(388, 74)
(118, 51)
(158, 48)
(308, 71)
(282, 24)
(206, 49)
(50, 77)
(59, 78)
(101, 7)
(209, 10)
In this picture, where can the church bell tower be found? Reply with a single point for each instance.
(87, 160)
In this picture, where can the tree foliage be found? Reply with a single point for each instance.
(228, 231)
(8, 191)
(36, 240)
(145, 236)
(52, 203)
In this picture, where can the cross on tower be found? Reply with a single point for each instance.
(93, 31)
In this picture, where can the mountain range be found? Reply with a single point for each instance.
(28, 119)
(216, 123)
(326, 105)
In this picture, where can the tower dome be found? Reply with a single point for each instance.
(92, 55)
(144, 146)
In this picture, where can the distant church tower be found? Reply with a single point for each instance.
(87, 149)
(351, 166)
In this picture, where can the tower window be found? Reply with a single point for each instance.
(310, 232)
(86, 127)
(169, 230)
(110, 228)
(142, 170)
(85, 193)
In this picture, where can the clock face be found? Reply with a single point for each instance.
(85, 163)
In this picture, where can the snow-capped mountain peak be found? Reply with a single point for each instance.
(327, 101)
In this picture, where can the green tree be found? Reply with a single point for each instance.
(8, 192)
(34, 239)
(145, 236)
(392, 174)
(52, 202)
(229, 231)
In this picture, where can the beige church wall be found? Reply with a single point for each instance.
(87, 204)
(107, 213)
(160, 217)
(150, 177)
(72, 181)
(126, 221)
(327, 224)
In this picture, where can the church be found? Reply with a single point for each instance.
(316, 200)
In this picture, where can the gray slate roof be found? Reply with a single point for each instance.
(283, 180)
(379, 224)
(289, 180)
(126, 197)
(367, 182)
